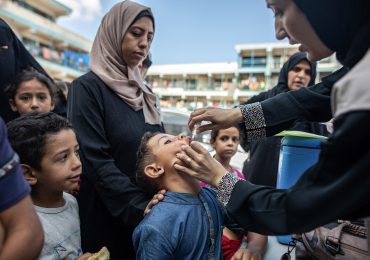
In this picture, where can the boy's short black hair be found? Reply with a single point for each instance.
(29, 133)
(145, 156)
(62, 86)
(28, 75)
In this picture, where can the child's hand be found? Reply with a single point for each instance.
(156, 198)
(84, 256)
(246, 254)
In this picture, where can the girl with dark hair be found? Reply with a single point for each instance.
(31, 91)
(111, 109)
(14, 58)
(234, 244)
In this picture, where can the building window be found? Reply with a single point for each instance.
(254, 61)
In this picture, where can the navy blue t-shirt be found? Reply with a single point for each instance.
(13, 186)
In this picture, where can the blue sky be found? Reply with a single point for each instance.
(187, 31)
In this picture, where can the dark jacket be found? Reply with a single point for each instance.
(337, 186)
(311, 103)
(109, 133)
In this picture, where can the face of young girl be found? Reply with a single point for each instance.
(226, 143)
(32, 96)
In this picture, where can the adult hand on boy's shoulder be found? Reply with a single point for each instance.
(246, 254)
(156, 198)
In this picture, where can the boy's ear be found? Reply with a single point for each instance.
(52, 104)
(154, 171)
(29, 174)
(12, 105)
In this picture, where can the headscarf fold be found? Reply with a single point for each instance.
(107, 61)
(293, 60)
(289, 65)
(342, 25)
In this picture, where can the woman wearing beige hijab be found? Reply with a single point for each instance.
(111, 108)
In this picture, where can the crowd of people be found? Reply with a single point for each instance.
(88, 166)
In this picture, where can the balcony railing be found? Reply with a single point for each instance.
(226, 86)
(68, 58)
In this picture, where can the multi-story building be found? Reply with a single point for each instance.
(61, 52)
(64, 55)
(226, 84)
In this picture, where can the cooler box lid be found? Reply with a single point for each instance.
(301, 139)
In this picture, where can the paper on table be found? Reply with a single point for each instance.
(301, 134)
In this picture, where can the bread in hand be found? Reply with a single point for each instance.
(103, 254)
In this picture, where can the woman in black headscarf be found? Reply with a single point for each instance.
(262, 165)
(337, 186)
(14, 58)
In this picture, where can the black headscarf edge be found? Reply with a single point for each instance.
(342, 25)
(289, 65)
(13, 60)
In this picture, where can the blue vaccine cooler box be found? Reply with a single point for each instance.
(296, 155)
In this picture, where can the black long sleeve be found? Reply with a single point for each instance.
(259, 98)
(262, 165)
(109, 133)
(116, 190)
(311, 103)
(273, 115)
(336, 187)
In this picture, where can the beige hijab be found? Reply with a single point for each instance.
(108, 64)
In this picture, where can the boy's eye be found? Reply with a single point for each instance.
(24, 98)
(168, 141)
(63, 158)
(223, 138)
(42, 97)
